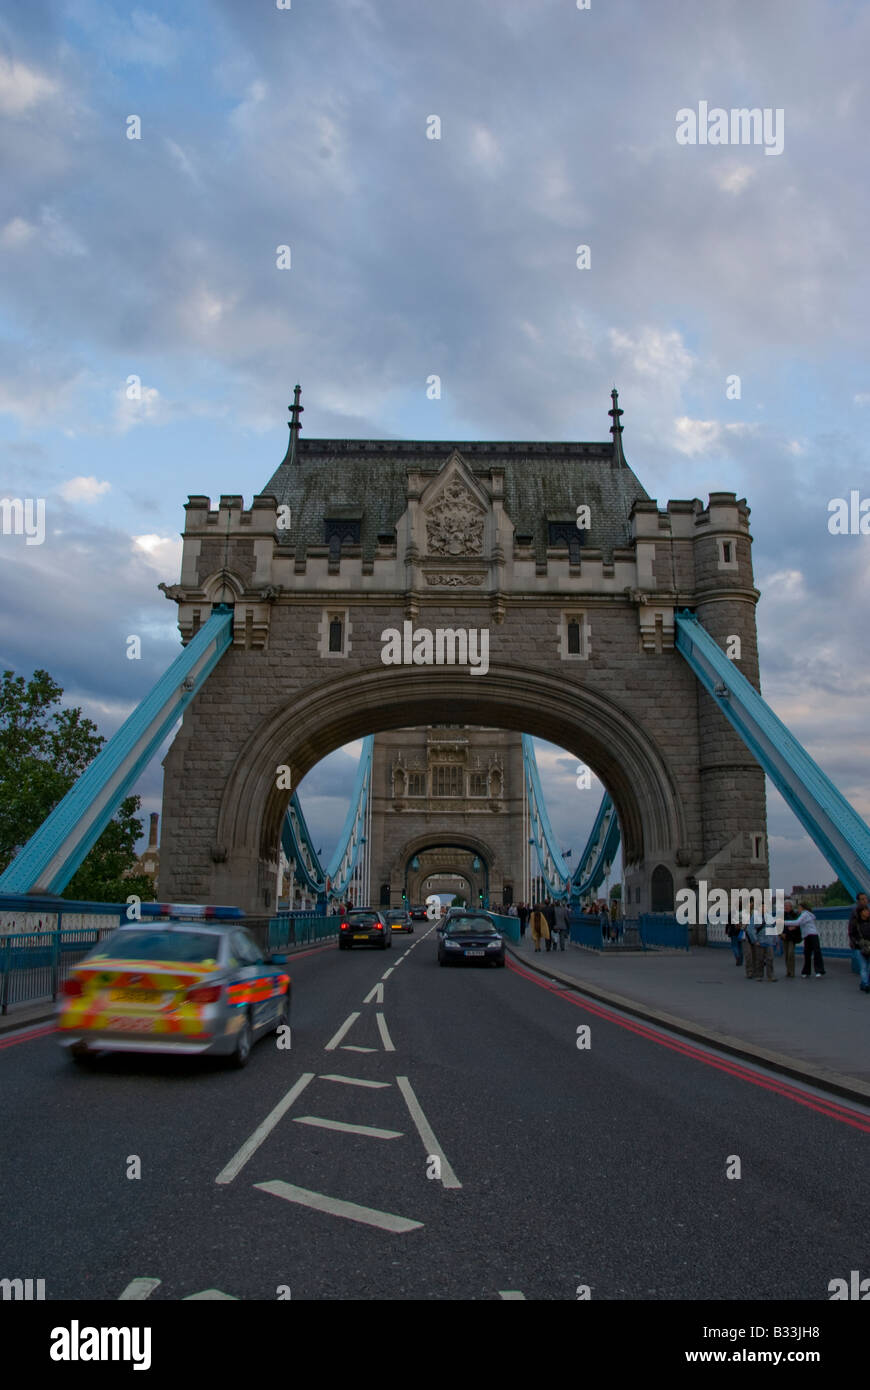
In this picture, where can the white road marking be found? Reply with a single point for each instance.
(209, 1293)
(376, 994)
(511, 1293)
(139, 1289)
(385, 1037)
(349, 1047)
(251, 1145)
(387, 973)
(424, 1129)
(348, 1129)
(334, 1206)
(345, 1028)
(355, 1081)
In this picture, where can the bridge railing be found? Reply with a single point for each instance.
(662, 931)
(507, 925)
(34, 965)
(283, 930)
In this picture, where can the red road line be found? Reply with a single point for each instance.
(35, 1032)
(831, 1109)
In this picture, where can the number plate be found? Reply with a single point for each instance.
(129, 1025)
(137, 996)
(360, 936)
(475, 953)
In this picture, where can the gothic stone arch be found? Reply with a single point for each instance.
(464, 537)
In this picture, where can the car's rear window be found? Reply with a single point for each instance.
(192, 947)
(363, 919)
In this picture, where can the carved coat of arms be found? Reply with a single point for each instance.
(455, 526)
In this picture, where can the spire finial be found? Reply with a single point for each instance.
(616, 427)
(295, 423)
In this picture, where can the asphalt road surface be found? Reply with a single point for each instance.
(314, 1173)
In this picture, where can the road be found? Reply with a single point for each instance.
(561, 1167)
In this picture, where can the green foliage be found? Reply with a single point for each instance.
(616, 892)
(836, 895)
(43, 750)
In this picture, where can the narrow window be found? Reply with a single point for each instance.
(573, 638)
(726, 552)
(335, 635)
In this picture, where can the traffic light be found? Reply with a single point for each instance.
(404, 897)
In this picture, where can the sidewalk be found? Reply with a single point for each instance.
(814, 1030)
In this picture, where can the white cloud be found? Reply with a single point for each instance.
(17, 232)
(735, 179)
(695, 436)
(148, 409)
(485, 149)
(22, 87)
(862, 398)
(163, 553)
(83, 489)
(183, 161)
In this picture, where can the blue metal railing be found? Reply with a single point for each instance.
(662, 930)
(301, 930)
(34, 965)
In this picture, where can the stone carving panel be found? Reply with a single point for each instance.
(454, 524)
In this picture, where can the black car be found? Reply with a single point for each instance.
(365, 926)
(418, 914)
(470, 936)
(398, 920)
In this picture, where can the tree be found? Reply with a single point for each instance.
(43, 750)
(836, 895)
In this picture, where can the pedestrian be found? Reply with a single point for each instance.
(604, 922)
(751, 950)
(540, 929)
(763, 943)
(512, 910)
(813, 962)
(791, 937)
(523, 914)
(734, 934)
(615, 921)
(550, 914)
(859, 940)
(560, 925)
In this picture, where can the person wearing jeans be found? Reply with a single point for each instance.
(859, 940)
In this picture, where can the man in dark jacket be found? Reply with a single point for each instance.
(791, 937)
(859, 940)
(550, 914)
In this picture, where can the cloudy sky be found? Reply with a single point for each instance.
(154, 259)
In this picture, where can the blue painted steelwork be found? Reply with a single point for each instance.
(663, 931)
(298, 847)
(598, 853)
(834, 826)
(51, 856)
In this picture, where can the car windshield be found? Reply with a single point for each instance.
(470, 926)
(192, 947)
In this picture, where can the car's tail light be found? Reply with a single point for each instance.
(204, 994)
(379, 926)
(345, 926)
(73, 989)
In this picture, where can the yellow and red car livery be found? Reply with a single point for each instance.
(174, 987)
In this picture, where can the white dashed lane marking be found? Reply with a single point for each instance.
(345, 1028)
(333, 1206)
(250, 1146)
(344, 1128)
(139, 1289)
(355, 1081)
(424, 1129)
(385, 1037)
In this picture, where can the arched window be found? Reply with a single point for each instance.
(385, 895)
(661, 890)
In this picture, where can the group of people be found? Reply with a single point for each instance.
(548, 922)
(754, 948)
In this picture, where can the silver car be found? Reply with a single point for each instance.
(174, 987)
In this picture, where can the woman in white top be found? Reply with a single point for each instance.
(812, 949)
